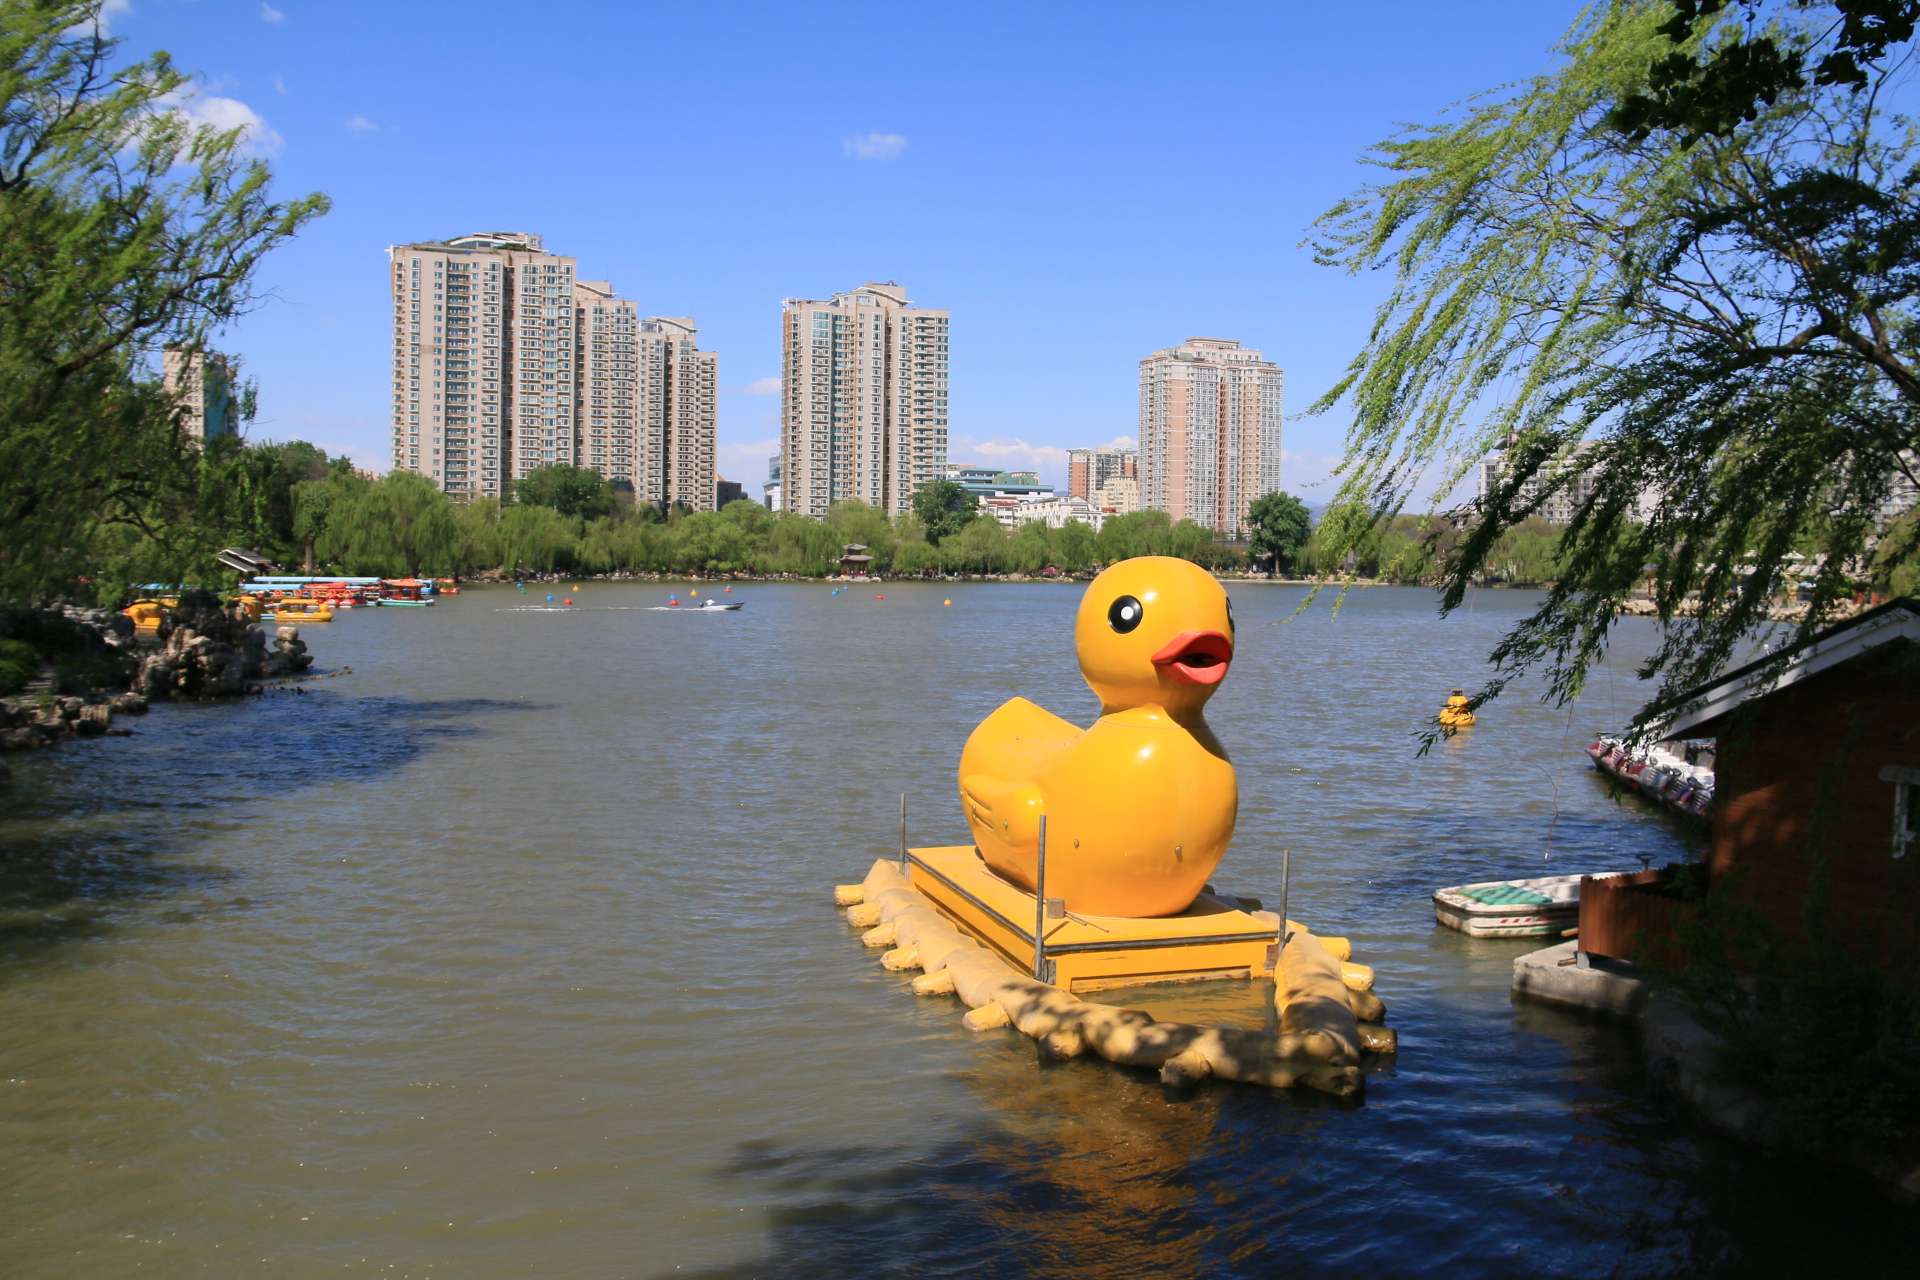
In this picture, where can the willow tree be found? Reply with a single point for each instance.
(124, 226)
(1703, 341)
(401, 524)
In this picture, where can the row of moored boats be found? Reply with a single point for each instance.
(290, 599)
(1678, 775)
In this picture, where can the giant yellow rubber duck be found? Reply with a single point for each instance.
(1139, 807)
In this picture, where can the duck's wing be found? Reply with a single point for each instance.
(1003, 813)
(997, 790)
(1017, 739)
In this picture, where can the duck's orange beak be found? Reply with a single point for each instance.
(1196, 657)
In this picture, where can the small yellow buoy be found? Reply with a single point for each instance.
(946, 602)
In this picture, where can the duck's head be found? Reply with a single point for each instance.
(1154, 631)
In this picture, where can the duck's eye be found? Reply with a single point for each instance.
(1124, 615)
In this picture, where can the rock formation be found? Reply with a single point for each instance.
(206, 652)
(212, 653)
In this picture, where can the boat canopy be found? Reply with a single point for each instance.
(283, 577)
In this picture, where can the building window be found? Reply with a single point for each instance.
(1905, 781)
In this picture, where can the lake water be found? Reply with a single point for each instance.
(512, 953)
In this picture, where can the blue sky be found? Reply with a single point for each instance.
(1080, 184)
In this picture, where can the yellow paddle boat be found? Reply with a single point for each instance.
(303, 611)
(146, 614)
(1456, 715)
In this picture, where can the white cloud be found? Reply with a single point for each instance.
(279, 85)
(764, 387)
(256, 135)
(875, 146)
(103, 22)
(747, 463)
(1009, 453)
(270, 14)
(1302, 471)
(360, 124)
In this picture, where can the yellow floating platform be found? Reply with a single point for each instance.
(1213, 938)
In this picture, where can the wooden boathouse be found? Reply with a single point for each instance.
(1816, 805)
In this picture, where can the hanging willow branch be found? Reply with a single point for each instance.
(1704, 344)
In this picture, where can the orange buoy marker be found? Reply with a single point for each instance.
(879, 597)
(946, 602)
(568, 600)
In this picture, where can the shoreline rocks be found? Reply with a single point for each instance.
(32, 722)
(204, 651)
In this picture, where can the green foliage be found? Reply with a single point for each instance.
(981, 547)
(401, 524)
(1896, 563)
(1419, 549)
(1076, 548)
(395, 526)
(1152, 533)
(1706, 345)
(1710, 87)
(533, 539)
(1281, 526)
(41, 637)
(85, 672)
(19, 664)
(123, 227)
(1826, 1037)
(574, 492)
(312, 513)
(944, 508)
(50, 634)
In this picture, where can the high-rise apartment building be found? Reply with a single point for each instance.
(679, 390)
(1210, 418)
(863, 393)
(453, 339)
(206, 386)
(1088, 469)
(504, 361)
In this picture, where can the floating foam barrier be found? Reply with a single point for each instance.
(1327, 1014)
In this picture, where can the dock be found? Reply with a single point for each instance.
(1564, 975)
